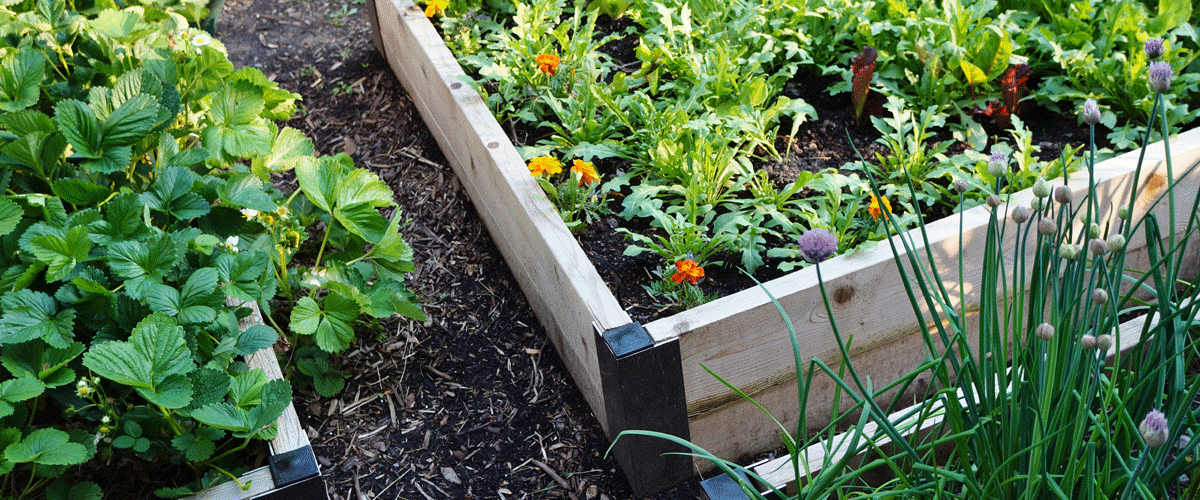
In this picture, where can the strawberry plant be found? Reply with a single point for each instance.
(140, 224)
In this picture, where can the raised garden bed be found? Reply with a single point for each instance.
(649, 376)
(293, 472)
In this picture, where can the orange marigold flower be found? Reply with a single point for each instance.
(434, 7)
(547, 63)
(687, 270)
(874, 208)
(544, 165)
(587, 173)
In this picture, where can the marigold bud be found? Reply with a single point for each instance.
(1063, 195)
(993, 201)
(1087, 341)
(1040, 188)
(1098, 247)
(1115, 243)
(1044, 331)
(1099, 296)
(1021, 214)
(1155, 429)
(1047, 226)
(1091, 112)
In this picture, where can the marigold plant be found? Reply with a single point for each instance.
(547, 165)
(587, 172)
(689, 270)
(875, 208)
(435, 7)
(547, 63)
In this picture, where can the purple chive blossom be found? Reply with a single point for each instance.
(1091, 112)
(1021, 214)
(998, 164)
(1154, 429)
(817, 245)
(1160, 76)
(1154, 49)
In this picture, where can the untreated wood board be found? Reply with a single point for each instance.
(562, 285)
(743, 339)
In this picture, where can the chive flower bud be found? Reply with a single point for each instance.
(1068, 251)
(1063, 194)
(1154, 49)
(1154, 429)
(1160, 76)
(1104, 342)
(816, 245)
(1123, 213)
(1046, 226)
(1044, 331)
(1116, 243)
(1021, 214)
(1087, 341)
(993, 201)
(1099, 296)
(1093, 230)
(1098, 246)
(1091, 112)
(998, 164)
(961, 186)
(1040, 188)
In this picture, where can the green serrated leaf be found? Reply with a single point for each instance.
(32, 315)
(131, 122)
(172, 194)
(319, 178)
(209, 386)
(196, 449)
(245, 390)
(47, 446)
(61, 253)
(142, 264)
(80, 192)
(10, 216)
(330, 325)
(256, 338)
(79, 126)
(35, 359)
(328, 384)
(287, 149)
(154, 353)
(29, 121)
(240, 274)
(20, 389)
(20, 75)
(244, 190)
(225, 416)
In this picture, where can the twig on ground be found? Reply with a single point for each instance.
(554, 475)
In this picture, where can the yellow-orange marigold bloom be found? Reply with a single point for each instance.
(687, 270)
(547, 63)
(587, 173)
(544, 165)
(875, 210)
(434, 7)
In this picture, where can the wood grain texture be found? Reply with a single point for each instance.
(562, 285)
(742, 338)
(259, 481)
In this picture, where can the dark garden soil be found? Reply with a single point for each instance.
(474, 402)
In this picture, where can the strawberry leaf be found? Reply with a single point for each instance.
(47, 446)
(32, 315)
(153, 361)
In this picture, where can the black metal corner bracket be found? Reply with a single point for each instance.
(643, 390)
(723, 487)
(296, 476)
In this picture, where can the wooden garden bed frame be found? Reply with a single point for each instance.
(649, 376)
(292, 473)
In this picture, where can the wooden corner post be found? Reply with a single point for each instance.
(643, 390)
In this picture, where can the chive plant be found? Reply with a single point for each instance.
(1031, 396)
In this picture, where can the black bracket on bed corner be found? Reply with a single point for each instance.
(296, 476)
(376, 30)
(643, 390)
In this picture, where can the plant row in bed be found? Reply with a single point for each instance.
(139, 223)
(669, 133)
